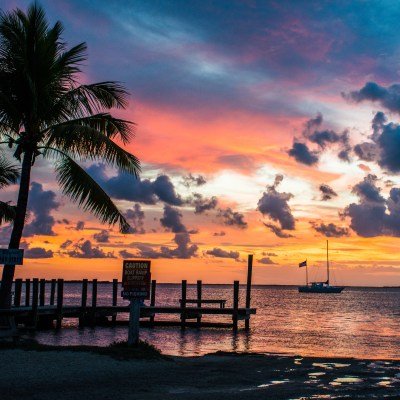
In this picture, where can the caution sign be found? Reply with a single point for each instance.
(136, 278)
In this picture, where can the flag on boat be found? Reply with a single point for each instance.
(303, 264)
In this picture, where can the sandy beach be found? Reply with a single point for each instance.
(66, 375)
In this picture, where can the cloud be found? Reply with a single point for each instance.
(184, 249)
(216, 252)
(80, 225)
(274, 205)
(102, 237)
(127, 187)
(277, 231)
(202, 204)
(135, 218)
(221, 233)
(384, 148)
(191, 180)
(266, 261)
(86, 250)
(264, 253)
(313, 133)
(374, 215)
(127, 254)
(330, 230)
(66, 244)
(302, 154)
(368, 191)
(35, 252)
(172, 220)
(232, 218)
(387, 97)
(327, 192)
(41, 203)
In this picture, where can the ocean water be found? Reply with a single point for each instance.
(359, 322)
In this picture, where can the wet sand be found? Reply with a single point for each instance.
(66, 375)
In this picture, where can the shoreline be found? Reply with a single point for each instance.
(65, 374)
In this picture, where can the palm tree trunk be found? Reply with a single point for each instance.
(16, 234)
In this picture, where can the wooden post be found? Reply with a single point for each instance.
(94, 301)
(235, 305)
(199, 284)
(52, 291)
(60, 299)
(153, 299)
(35, 299)
(42, 292)
(134, 315)
(115, 299)
(17, 292)
(248, 287)
(82, 317)
(27, 292)
(183, 305)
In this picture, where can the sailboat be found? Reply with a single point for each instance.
(319, 287)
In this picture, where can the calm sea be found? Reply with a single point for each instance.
(359, 322)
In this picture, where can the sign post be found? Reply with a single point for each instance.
(136, 279)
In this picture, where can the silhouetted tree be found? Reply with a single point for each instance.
(45, 112)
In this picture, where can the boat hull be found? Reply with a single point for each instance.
(320, 289)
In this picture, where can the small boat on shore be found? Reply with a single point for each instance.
(319, 287)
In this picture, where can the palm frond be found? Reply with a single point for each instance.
(81, 101)
(9, 173)
(87, 139)
(7, 212)
(81, 188)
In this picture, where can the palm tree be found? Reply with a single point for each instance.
(8, 175)
(44, 111)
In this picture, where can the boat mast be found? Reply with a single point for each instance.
(306, 274)
(327, 262)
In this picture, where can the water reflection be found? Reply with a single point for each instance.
(359, 322)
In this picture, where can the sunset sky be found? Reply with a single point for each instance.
(263, 127)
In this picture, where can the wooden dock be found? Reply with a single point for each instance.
(35, 314)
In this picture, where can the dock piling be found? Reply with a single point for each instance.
(199, 295)
(42, 292)
(183, 305)
(60, 299)
(82, 316)
(153, 299)
(114, 299)
(235, 305)
(248, 287)
(52, 291)
(35, 300)
(17, 292)
(27, 292)
(94, 302)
